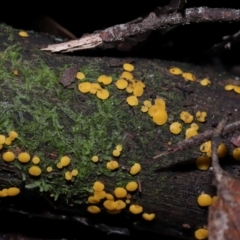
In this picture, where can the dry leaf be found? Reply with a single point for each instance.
(68, 76)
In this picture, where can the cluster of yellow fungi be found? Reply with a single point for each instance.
(201, 233)
(230, 87)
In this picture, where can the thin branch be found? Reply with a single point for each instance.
(198, 139)
(115, 35)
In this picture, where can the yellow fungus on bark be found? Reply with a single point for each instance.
(127, 75)
(206, 147)
(132, 100)
(84, 87)
(95, 159)
(116, 153)
(93, 200)
(68, 175)
(13, 191)
(98, 186)
(175, 128)
(8, 141)
(160, 103)
(138, 91)
(132, 186)
(74, 172)
(100, 194)
(135, 209)
(194, 125)
(160, 118)
(109, 204)
(36, 160)
(204, 200)
(49, 169)
(147, 103)
(80, 75)
(3, 193)
(109, 196)
(175, 71)
(106, 80)
(93, 209)
(34, 171)
(205, 82)
(190, 132)
(135, 169)
(148, 216)
(144, 109)
(24, 157)
(236, 153)
(214, 199)
(128, 67)
(23, 34)
(236, 89)
(188, 76)
(119, 147)
(121, 83)
(112, 165)
(120, 192)
(201, 116)
(65, 161)
(203, 162)
(201, 234)
(186, 117)
(120, 204)
(222, 150)
(8, 156)
(229, 87)
(2, 139)
(102, 94)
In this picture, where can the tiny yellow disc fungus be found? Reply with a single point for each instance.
(74, 172)
(236, 89)
(109, 204)
(201, 234)
(135, 209)
(109, 196)
(93, 200)
(186, 117)
(68, 175)
(128, 201)
(120, 204)
(204, 200)
(214, 199)
(138, 91)
(34, 171)
(154, 110)
(229, 87)
(203, 162)
(106, 80)
(194, 125)
(93, 209)
(122, 84)
(128, 67)
(59, 165)
(95, 159)
(175, 128)
(102, 94)
(2, 139)
(119, 147)
(36, 160)
(222, 150)
(135, 169)
(236, 153)
(147, 103)
(188, 76)
(201, 116)
(100, 195)
(205, 82)
(15, 72)
(190, 132)
(13, 191)
(127, 75)
(148, 216)
(144, 109)
(3, 193)
(65, 161)
(132, 186)
(80, 76)
(24, 157)
(132, 100)
(129, 89)
(84, 87)
(94, 88)
(8, 156)
(160, 103)
(112, 165)
(175, 71)
(23, 34)
(206, 147)
(8, 141)
(160, 118)
(98, 186)
(49, 169)
(120, 192)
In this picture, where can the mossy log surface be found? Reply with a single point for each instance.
(53, 121)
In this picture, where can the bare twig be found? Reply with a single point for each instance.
(198, 139)
(120, 33)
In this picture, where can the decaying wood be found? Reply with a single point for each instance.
(125, 36)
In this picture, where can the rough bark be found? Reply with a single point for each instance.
(53, 120)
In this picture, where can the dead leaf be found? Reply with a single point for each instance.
(68, 76)
(235, 140)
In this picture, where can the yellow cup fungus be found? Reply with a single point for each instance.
(68, 175)
(122, 84)
(175, 128)
(201, 116)
(236, 153)
(222, 150)
(100, 194)
(186, 117)
(201, 234)
(144, 109)
(98, 186)
(119, 147)
(214, 199)
(13, 191)
(204, 200)
(205, 82)
(23, 34)
(109, 196)
(203, 162)
(8, 141)
(80, 76)
(127, 75)
(206, 147)
(128, 201)
(65, 161)
(229, 87)
(8, 156)
(36, 160)
(109, 204)
(106, 80)
(94, 88)
(236, 89)
(93, 200)
(160, 103)
(112, 165)
(175, 71)
(116, 153)
(93, 209)
(74, 172)
(120, 192)
(102, 94)
(59, 165)
(128, 67)
(2, 139)
(190, 132)
(49, 169)
(147, 103)
(95, 159)
(194, 125)
(4, 193)
(132, 186)
(160, 118)
(135, 169)
(120, 204)
(34, 171)
(135, 209)
(132, 100)
(24, 157)
(188, 76)
(15, 72)
(129, 88)
(148, 216)
(84, 87)
(138, 91)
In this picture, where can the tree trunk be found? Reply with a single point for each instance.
(53, 118)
